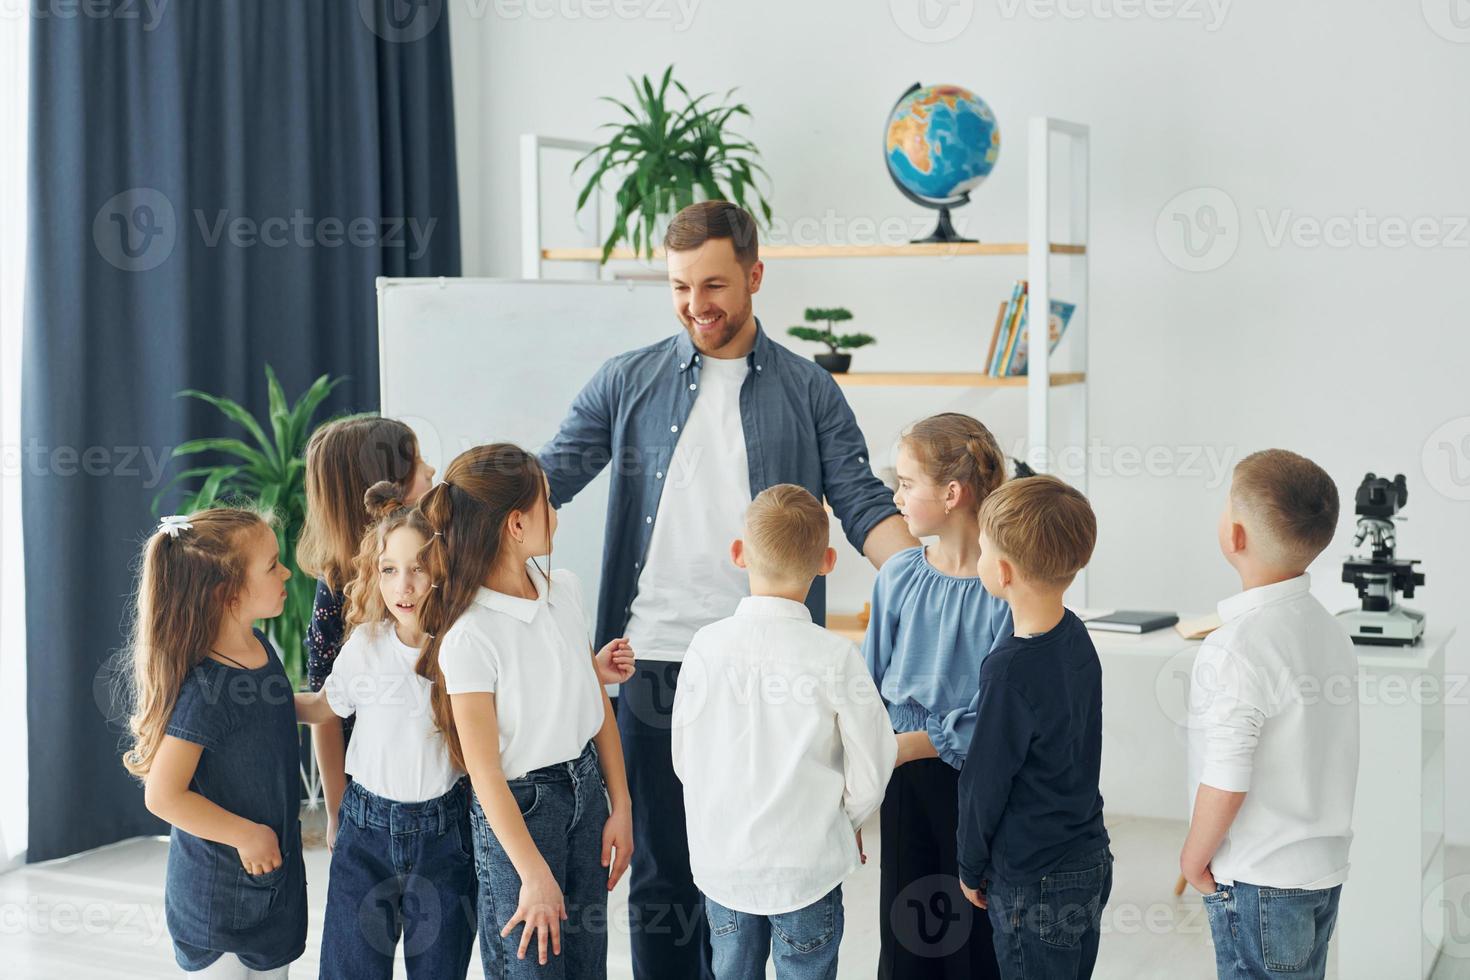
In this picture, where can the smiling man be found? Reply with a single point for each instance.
(696, 426)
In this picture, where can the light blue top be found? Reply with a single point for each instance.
(927, 635)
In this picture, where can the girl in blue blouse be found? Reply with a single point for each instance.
(932, 624)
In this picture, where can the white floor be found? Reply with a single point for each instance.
(100, 915)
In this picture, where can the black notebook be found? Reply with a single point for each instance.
(1132, 621)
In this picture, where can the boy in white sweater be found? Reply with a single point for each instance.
(784, 748)
(1273, 733)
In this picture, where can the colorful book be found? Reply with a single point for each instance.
(1000, 316)
(1061, 315)
(1018, 290)
(1018, 320)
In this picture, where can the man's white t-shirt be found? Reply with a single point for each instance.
(688, 580)
(396, 751)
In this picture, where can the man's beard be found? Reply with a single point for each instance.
(732, 327)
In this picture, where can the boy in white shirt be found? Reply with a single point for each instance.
(784, 748)
(1273, 732)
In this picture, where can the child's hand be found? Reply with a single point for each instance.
(975, 896)
(542, 909)
(1202, 878)
(615, 662)
(862, 855)
(617, 845)
(312, 708)
(260, 851)
(913, 746)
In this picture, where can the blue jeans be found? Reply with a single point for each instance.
(1271, 932)
(1049, 929)
(565, 807)
(400, 870)
(805, 941)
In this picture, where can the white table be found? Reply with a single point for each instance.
(1391, 921)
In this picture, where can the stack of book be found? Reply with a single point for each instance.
(1007, 355)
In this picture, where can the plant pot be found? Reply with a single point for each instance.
(834, 363)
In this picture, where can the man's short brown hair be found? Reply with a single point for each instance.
(698, 223)
(1042, 526)
(1289, 502)
(786, 533)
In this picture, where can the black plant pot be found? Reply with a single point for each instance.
(834, 363)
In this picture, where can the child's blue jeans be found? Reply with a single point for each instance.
(400, 870)
(1049, 929)
(805, 941)
(1271, 932)
(565, 807)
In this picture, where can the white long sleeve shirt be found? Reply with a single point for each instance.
(784, 748)
(1273, 713)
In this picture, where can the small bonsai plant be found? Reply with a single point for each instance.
(834, 361)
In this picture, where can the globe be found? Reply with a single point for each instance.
(941, 142)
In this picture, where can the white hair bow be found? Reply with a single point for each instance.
(172, 525)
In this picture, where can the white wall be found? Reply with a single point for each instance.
(1352, 355)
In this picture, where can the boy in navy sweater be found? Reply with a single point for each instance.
(1033, 850)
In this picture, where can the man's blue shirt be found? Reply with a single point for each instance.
(798, 429)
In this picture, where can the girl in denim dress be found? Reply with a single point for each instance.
(519, 695)
(214, 740)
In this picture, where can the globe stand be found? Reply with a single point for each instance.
(944, 232)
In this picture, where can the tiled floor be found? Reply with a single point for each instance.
(100, 915)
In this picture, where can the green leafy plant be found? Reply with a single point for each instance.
(825, 335)
(668, 157)
(270, 474)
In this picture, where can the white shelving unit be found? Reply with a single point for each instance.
(1038, 249)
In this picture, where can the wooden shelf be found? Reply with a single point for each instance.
(944, 379)
(914, 250)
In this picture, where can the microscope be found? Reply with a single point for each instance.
(1381, 621)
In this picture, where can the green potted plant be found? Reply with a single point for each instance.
(269, 474)
(668, 157)
(834, 360)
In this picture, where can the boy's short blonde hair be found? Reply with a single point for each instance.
(1043, 526)
(786, 533)
(1288, 502)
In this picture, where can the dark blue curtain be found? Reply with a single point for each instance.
(213, 186)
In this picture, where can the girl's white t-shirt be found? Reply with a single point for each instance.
(535, 656)
(396, 751)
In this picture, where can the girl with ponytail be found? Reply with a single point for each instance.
(404, 819)
(931, 625)
(214, 741)
(519, 698)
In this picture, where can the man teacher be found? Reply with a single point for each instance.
(695, 426)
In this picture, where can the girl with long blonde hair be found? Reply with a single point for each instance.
(214, 741)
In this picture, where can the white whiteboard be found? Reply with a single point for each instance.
(466, 362)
